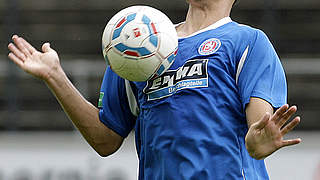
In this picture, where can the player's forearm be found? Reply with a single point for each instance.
(46, 66)
(83, 114)
(76, 107)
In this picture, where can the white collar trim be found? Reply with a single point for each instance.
(215, 25)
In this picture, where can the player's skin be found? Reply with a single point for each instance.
(85, 116)
(266, 131)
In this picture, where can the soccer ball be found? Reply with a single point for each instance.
(139, 43)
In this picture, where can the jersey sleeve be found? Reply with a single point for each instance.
(114, 107)
(262, 74)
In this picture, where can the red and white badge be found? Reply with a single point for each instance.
(209, 46)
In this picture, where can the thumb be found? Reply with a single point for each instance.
(263, 121)
(46, 47)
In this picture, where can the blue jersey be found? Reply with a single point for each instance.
(190, 123)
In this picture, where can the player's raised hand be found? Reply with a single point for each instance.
(266, 136)
(39, 64)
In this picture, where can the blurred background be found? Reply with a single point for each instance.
(38, 142)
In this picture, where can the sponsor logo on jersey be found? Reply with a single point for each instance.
(209, 46)
(193, 74)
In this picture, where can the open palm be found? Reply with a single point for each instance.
(37, 63)
(266, 136)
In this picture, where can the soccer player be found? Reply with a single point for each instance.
(216, 114)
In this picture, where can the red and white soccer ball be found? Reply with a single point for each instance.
(139, 43)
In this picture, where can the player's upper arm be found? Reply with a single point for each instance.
(105, 141)
(256, 109)
(114, 109)
(260, 73)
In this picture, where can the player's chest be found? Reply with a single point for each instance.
(197, 66)
(192, 76)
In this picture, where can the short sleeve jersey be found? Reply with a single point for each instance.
(190, 123)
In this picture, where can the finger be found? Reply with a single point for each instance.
(16, 60)
(290, 126)
(263, 122)
(290, 142)
(46, 47)
(30, 48)
(279, 113)
(17, 52)
(287, 115)
(20, 45)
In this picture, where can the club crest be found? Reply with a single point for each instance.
(209, 46)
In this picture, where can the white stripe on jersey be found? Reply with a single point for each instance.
(244, 178)
(131, 99)
(241, 63)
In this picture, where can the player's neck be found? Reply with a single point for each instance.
(202, 16)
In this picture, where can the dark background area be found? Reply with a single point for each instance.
(74, 28)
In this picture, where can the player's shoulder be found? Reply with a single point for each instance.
(245, 35)
(246, 31)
